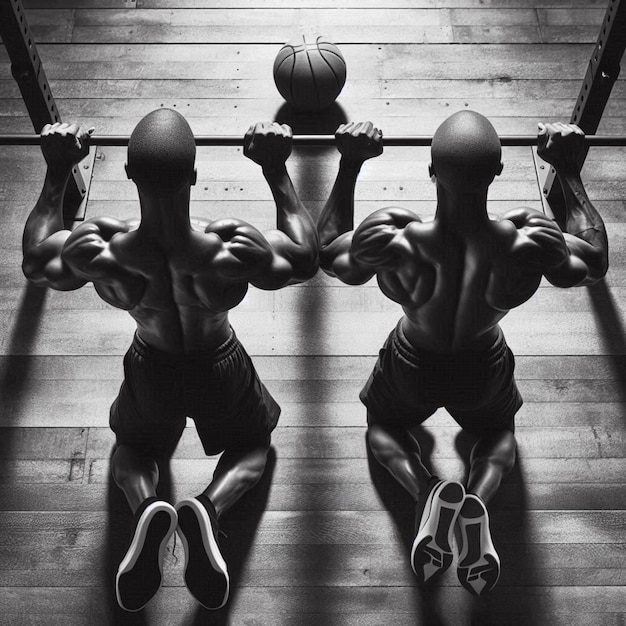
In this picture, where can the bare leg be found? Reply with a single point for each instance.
(398, 451)
(140, 572)
(237, 472)
(135, 474)
(492, 457)
(438, 502)
(206, 572)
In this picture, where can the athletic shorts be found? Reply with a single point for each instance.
(220, 390)
(477, 388)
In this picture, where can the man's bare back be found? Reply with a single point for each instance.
(176, 280)
(457, 275)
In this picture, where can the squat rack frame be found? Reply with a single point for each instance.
(27, 69)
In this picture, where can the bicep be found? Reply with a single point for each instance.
(578, 268)
(44, 265)
(292, 261)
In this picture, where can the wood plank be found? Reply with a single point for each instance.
(567, 369)
(315, 443)
(308, 601)
(348, 527)
(71, 332)
(268, 108)
(277, 566)
(271, 17)
(355, 471)
(76, 496)
(516, 58)
(500, 86)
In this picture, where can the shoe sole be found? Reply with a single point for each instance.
(206, 574)
(140, 572)
(482, 575)
(431, 553)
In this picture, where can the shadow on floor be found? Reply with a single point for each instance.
(117, 537)
(16, 372)
(403, 511)
(240, 524)
(511, 534)
(612, 333)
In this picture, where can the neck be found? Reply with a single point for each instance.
(461, 211)
(165, 216)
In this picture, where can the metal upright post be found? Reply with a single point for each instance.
(602, 72)
(29, 74)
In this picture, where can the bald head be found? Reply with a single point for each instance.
(466, 153)
(162, 151)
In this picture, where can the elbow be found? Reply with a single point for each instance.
(305, 266)
(327, 261)
(32, 270)
(598, 268)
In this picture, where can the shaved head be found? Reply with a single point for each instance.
(162, 151)
(466, 153)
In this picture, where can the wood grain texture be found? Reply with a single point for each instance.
(325, 537)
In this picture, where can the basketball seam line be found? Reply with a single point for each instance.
(308, 58)
(281, 63)
(293, 67)
(330, 67)
(339, 56)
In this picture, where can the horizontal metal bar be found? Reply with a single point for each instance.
(311, 140)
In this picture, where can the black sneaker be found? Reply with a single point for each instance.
(206, 574)
(478, 568)
(140, 572)
(431, 554)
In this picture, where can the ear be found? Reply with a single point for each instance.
(194, 177)
(431, 171)
(500, 169)
(127, 170)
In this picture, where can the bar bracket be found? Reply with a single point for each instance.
(27, 70)
(602, 72)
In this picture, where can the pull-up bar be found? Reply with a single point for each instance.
(312, 140)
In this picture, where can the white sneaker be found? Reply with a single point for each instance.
(139, 574)
(478, 567)
(432, 548)
(206, 574)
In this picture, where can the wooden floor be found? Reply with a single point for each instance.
(324, 540)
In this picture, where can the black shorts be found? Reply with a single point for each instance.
(220, 391)
(477, 388)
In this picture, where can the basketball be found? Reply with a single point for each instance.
(310, 76)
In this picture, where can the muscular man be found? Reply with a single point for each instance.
(178, 283)
(455, 277)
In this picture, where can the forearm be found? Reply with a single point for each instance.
(292, 218)
(337, 216)
(584, 222)
(46, 218)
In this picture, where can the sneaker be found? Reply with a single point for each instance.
(432, 548)
(206, 575)
(478, 567)
(140, 572)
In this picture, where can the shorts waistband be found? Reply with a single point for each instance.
(417, 356)
(224, 350)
